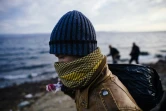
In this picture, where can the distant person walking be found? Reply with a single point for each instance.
(114, 53)
(135, 52)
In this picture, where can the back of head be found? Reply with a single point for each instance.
(74, 35)
(134, 44)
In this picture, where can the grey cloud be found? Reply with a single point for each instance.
(41, 16)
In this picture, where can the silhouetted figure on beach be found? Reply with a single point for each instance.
(135, 52)
(115, 54)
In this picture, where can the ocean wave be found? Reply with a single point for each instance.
(44, 52)
(6, 68)
(10, 77)
(7, 54)
(33, 66)
(48, 72)
(21, 76)
(24, 76)
(18, 58)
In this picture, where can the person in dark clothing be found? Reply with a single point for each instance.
(134, 54)
(115, 54)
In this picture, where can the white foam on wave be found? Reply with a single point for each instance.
(21, 76)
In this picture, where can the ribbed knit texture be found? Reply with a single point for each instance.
(73, 35)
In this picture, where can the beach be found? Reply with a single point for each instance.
(36, 98)
(16, 98)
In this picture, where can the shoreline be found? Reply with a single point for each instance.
(11, 97)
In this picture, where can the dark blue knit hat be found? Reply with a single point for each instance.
(74, 34)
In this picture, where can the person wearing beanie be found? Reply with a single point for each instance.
(82, 68)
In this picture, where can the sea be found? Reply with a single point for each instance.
(26, 58)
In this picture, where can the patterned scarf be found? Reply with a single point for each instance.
(78, 73)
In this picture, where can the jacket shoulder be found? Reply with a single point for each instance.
(114, 95)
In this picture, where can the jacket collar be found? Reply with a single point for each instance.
(102, 75)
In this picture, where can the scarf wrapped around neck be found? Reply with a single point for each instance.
(78, 73)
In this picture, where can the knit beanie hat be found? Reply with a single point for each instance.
(74, 34)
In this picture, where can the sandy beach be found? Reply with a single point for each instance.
(34, 97)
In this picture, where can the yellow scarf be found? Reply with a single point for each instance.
(77, 74)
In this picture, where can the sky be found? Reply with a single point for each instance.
(40, 16)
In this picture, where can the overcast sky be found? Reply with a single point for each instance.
(40, 16)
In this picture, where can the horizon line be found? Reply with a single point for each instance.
(36, 33)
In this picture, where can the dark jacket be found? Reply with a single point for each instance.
(135, 51)
(113, 52)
